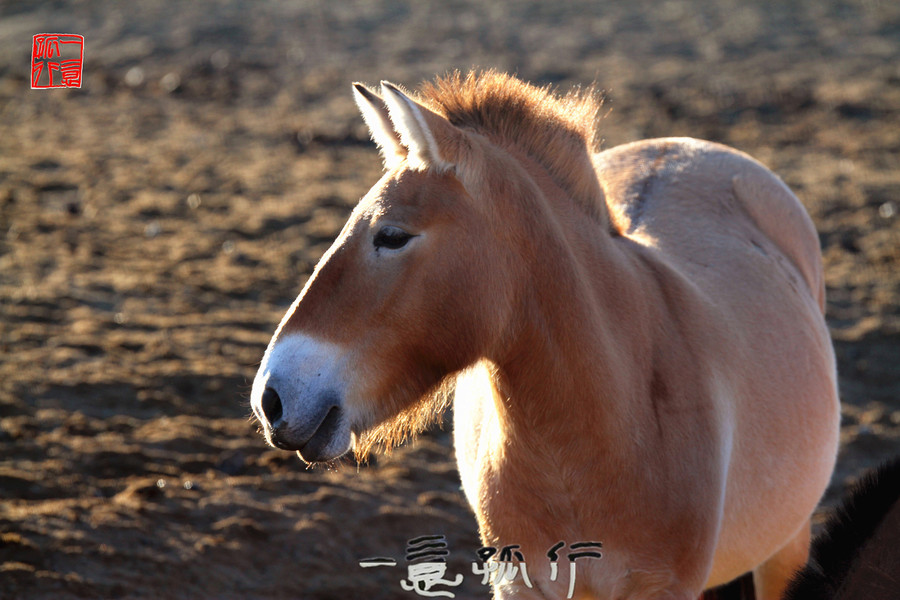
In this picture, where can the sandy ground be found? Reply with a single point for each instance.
(156, 223)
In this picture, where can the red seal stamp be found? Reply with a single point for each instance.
(56, 60)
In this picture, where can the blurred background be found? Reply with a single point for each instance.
(156, 223)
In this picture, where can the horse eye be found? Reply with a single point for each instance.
(391, 238)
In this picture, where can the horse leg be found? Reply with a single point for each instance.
(772, 577)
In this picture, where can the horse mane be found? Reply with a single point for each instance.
(837, 550)
(559, 133)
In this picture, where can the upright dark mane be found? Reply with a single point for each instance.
(843, 548)
(557, 132)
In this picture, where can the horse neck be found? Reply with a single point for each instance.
(581, 336)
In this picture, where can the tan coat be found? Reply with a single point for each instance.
(635, 338)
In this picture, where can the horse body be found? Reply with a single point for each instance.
(635, 337)
(707, 357)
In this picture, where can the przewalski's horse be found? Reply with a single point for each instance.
(635, 338)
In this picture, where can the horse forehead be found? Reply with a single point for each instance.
(413, 189)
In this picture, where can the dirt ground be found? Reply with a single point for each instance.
(156, 223)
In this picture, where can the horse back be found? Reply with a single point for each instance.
(703, 204)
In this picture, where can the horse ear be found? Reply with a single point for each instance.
(431, 139)
(376, 116)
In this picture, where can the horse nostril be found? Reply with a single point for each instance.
(271, 405)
